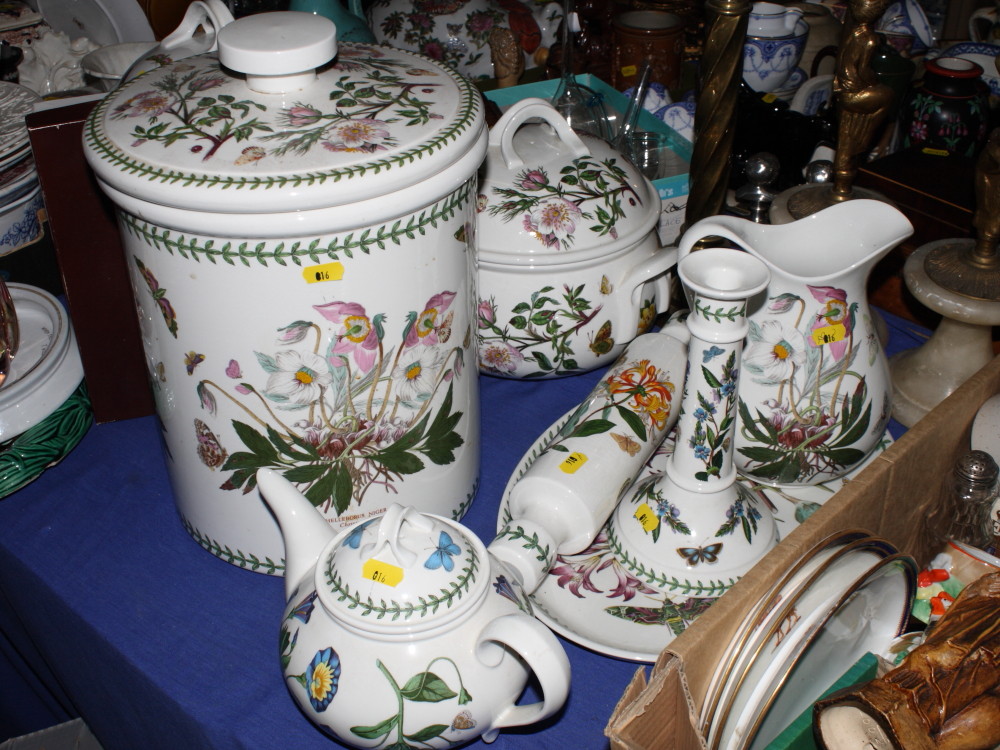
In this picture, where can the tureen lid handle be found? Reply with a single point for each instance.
(279, 52)
(502, 134)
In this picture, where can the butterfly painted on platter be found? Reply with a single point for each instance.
(210, 450)
(707, 355)
(192, 360)
(602, 343)
(463, 720)
(627, 444)
(695, 555)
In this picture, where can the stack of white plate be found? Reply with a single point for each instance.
(848, 596)
(20, 191)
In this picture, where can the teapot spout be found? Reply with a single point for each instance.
(303, 529)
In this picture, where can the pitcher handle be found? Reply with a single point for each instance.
(540, 650)
(502, 134)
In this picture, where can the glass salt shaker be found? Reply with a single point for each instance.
(973, 489)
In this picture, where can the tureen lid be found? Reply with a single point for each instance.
(271, 125)
(550, 196)
(405, 570)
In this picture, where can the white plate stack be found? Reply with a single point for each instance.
(20, 192)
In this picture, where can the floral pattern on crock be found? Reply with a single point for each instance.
(159, 297)
(636, 391)
(806, 351)
(541, 331)
(375, 97)
(587, 195)
(357, 413)
(581, 574)
(423, 687)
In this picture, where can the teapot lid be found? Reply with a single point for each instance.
(403, 571)
(282, 119)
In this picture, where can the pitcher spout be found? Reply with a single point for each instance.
(304, 530)
(817, 248)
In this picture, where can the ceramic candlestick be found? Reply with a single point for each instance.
(691, 532)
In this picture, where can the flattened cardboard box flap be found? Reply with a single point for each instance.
(889, 499)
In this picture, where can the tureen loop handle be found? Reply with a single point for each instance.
(502, 134)
(540, 650)
(389, 531)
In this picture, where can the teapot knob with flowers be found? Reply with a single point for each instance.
(404, 630)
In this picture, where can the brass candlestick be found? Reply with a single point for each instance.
(862, 103)
(715, 115)
(972, 268)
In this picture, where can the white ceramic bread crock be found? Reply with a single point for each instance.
(570, 266)
(299, 238)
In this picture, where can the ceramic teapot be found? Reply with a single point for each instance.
(457, 32)
(404, 630)
(815, 398)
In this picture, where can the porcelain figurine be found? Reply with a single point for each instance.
(693, 531)
(456, 32)
(570, 264)
(402, 630)
(816, 398)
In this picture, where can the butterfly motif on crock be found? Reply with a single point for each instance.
(210, 450)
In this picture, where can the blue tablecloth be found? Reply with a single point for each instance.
(110, 611)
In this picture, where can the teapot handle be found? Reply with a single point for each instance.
(502, 134)
(540, 650)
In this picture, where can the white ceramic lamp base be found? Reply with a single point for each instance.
(959, 347)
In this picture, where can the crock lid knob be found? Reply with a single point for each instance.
(279, 52)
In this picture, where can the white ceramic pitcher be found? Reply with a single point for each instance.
(815, 398)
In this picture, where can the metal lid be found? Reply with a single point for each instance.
(403, 571)
(977, 466)
(276, 127)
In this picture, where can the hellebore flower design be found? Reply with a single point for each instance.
(359, 336)
(343, 411)
(776, 353)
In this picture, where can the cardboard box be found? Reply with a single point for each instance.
(673, 188)
(889, 499)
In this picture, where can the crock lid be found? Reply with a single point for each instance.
(258, 129)
(550, 196)
(403, 571)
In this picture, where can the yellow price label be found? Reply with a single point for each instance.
(382, 572)
(934, 151)
(829, 334)
(630, 70)
(326, 272)
(572, 462)
(646, 518)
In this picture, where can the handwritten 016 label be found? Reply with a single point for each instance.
(829, 334)
(572, 462)
(382, 572)
(646, 518)
(325, 272)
